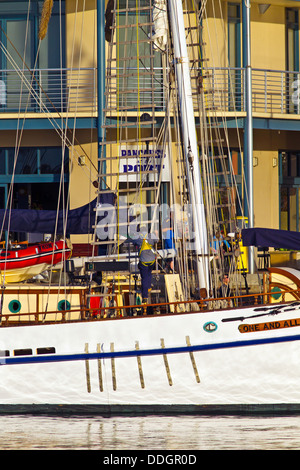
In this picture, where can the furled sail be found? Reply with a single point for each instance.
(160, 24)
(76, 221)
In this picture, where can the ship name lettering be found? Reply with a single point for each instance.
(272, 325)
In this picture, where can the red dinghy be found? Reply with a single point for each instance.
(24, 263)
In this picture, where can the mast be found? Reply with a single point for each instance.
(182, 71)
(248, 134)
(100, 76)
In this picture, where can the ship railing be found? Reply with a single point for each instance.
(196, 305)
(85, 313)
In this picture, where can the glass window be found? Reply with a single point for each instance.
(292, 55)
(2, 162)
(33, 161)
(293, 209)
(289, 190)
(19, 37)
(26, 161)
(234, 48)
(234, 56)
(284, 208)
(136, 58)
(290, 164)
(51, 159)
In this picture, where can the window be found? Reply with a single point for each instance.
(33, 161)
(136, 58)
(228, 184)
(19, 52)
(234, 55)
(292, 55)
(289, 190)
(234, 35)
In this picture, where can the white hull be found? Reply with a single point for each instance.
(260, 368)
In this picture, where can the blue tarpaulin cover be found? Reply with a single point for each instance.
(266, 237)
(79, 221)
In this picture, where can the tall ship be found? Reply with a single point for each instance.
(158, 315)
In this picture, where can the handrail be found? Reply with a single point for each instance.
(102, 312)
(273, 91)
(75, 89)
(59, 89)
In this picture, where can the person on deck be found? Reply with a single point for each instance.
(224, 289)
(145, 242)
(221, 249)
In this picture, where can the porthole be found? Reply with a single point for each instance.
(14, 306)
(64, 305)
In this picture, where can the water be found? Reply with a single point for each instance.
(149, 433)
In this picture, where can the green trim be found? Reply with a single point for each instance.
(14, 306)
(63, 305)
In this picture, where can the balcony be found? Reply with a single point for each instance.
(48, 91)
(274, 92)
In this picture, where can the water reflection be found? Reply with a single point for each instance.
(149, 433)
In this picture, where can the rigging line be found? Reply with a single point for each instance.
(183, 197)
(210, 123)
(233, 100)
(205, 247)
(118, 111)
(90, 236)
(119, 132)
(138, 89)
(47, 96)
(63, 271)
(34, 94)
(231, 93)
(63, 139)
(61, 192)
(18, 142)
(75, 113)
(221, 162)
(61, 195)
(15, 155)
(207, 180)
(201, 113)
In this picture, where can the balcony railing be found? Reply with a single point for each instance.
(48, 90)
(75, 90)
(273, 91)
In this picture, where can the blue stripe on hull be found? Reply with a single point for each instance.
(142, 352)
